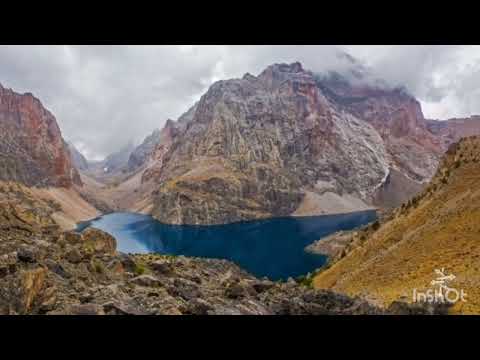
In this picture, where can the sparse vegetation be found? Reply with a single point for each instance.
(140, 269)
(440, 229)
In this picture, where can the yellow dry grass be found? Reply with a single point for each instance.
(441, 231)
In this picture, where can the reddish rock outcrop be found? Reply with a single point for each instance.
(32, 150)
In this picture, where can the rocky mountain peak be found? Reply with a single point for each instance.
(295, 67)
(249, 77)
(276, 74)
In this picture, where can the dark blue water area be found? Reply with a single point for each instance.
(273, 248)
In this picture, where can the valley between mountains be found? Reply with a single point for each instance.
(287, 142)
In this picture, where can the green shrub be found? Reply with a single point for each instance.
(139, 269)
(98, 267)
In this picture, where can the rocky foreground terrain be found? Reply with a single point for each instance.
(438, 228)
(46, 271)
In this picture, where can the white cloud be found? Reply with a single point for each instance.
(105, 96)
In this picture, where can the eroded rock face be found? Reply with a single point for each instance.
(397, 116)
(253, 146)
(32, 150)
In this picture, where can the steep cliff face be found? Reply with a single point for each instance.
(264, 146)
(436, 229)
(32, 150)
(412, 149)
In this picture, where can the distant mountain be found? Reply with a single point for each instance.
(79, 161)
(452, 130)
(118, 160)
(436, 229)
(141, 153)
(32, 150)
(114, 164)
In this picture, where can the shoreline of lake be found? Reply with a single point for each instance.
(274, 247)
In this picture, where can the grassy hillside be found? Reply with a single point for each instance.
(440, 228)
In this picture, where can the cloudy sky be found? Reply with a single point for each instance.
(105, 96)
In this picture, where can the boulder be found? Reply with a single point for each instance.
(86, 309)
(161, 266)
(199, 306)
(58, 269)
(27, 254)
(128, 263)
(186, 289)
(99, 241)
(146, 280)
(74, 256)
(262, 286)
(116, 308)
(239, 290)
(72, 237)
(3, 271)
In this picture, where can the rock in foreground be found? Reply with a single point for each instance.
(49, 272)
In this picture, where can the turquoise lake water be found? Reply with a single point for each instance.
(273, 248)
